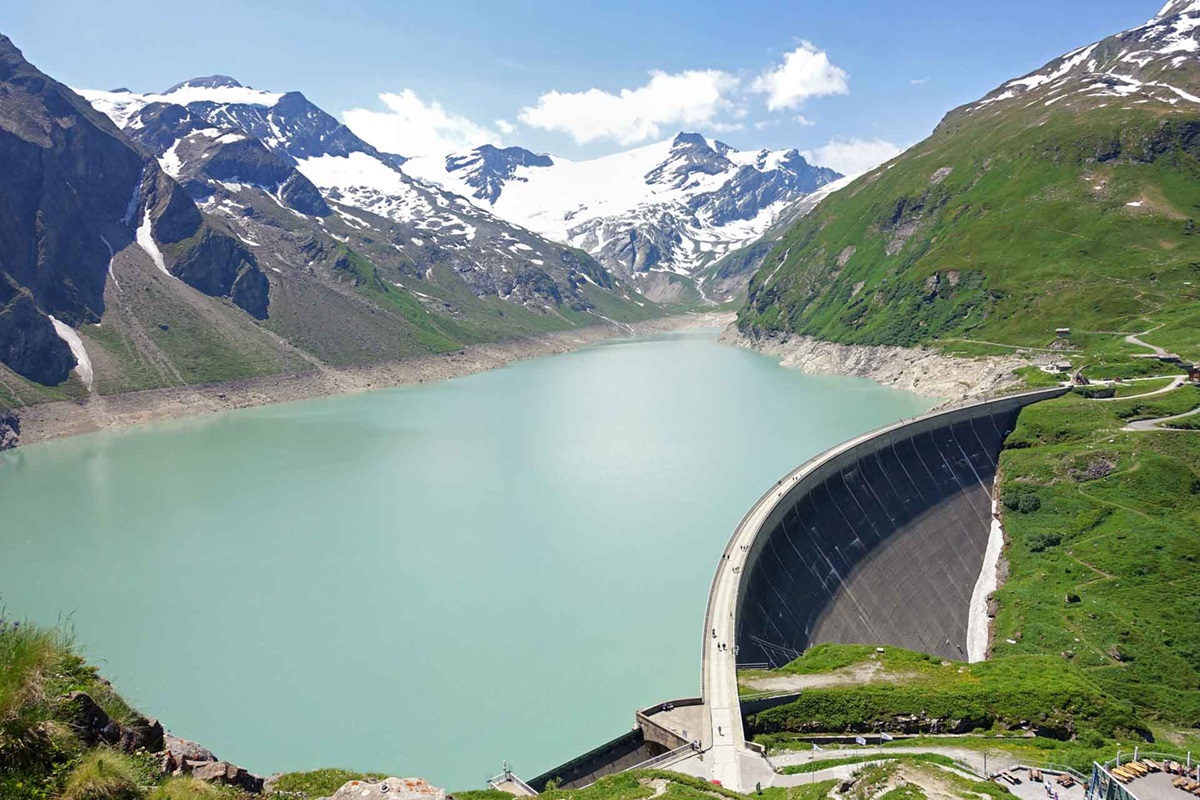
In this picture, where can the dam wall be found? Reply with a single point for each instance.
(878, 541)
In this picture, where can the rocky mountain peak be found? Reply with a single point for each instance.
(208, 82)
(1175, 8)
(1154, 62)
(686, 139)
(690, 154)
(486, 169)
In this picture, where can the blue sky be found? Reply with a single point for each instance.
(754, 73)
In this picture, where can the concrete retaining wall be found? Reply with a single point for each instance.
(627, 750)
(661, 734)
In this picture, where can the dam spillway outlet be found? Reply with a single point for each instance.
(882, 543)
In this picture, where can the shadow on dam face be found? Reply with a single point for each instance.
(882, 544)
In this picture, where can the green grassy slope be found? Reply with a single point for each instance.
(1001, 228)
(1103, 573)
(1034, 691)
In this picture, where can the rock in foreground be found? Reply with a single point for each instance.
(390, 789)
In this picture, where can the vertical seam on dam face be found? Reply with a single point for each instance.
(881, 542)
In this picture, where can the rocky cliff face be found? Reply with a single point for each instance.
(73, 189)
(488, 168)
(64, 172)
(197, 154)
(196, 249)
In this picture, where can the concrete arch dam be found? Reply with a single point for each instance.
(881, 541)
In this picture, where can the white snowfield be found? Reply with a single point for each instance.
(120, 106)
(1166, 42)
(83, 364)
(588, 203)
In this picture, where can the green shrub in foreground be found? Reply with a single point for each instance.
(103, 775)
(184, 789)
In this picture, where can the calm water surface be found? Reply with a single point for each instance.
(427, 580)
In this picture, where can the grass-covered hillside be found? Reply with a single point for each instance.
(1018, 214)
(1103, 574)
(1002, 231)
(1096, 638)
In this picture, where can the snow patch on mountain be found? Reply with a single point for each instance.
(145, 240)
(1145, 61)
(120, 106)
(83, 364)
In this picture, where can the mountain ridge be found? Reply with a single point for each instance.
(238, 235)
(655, 214)
(1062, 198)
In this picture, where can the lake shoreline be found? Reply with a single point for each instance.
(920, 370)
(56, 420)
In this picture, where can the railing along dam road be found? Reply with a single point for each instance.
(879, 540)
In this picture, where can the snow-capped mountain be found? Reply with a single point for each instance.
(221, 139)
(1156, 61)
(669, 208)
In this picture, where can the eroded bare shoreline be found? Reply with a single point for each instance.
(921, 370)
(47, 421)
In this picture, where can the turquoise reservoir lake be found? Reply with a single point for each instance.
(421, 581)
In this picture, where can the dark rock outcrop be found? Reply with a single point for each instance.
(181, 757)
(489, 167)
(202, 254)
(217, 264)
(95, 726)
(230, 156)
(223, 772)
(184, 750)
(28, 342)
(10, 430)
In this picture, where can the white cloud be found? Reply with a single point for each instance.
(412, 127)
(690, 98)
(800, 119)
(805, 72)
(505, 126)
(726, 127)
(852, 156)
(919, 81)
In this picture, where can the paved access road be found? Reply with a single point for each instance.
(728, 741)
